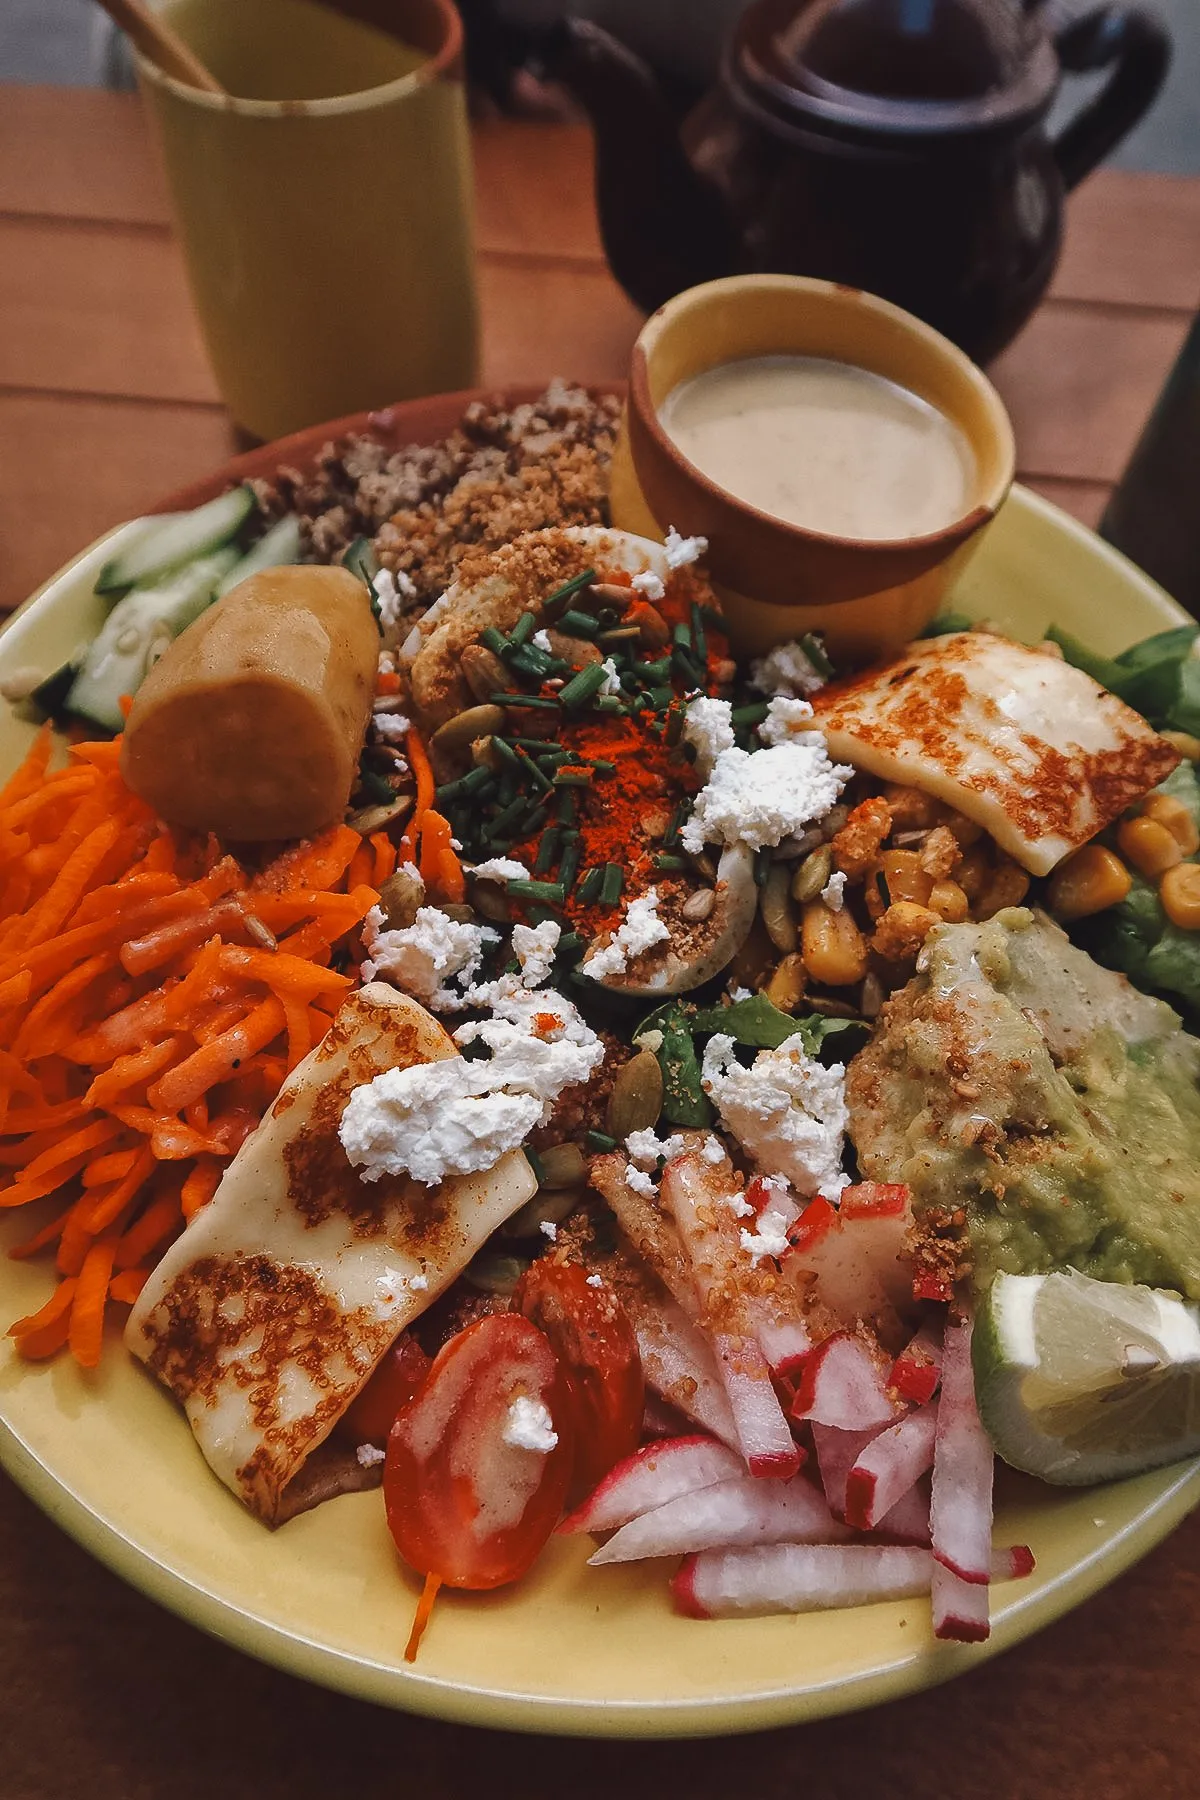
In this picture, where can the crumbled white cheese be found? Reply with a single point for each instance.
(419, 1283)
(391, 727)
(529, 1426)
(639, 930)
(645, 1147)
(649, 584)
(681, 551)
(760, 797)
(787, 1110)
(739, 1206)
(834, 891)
(595, 1281)
(708, 726)
(641, 1182)
(425, 957)
(542, 640)
(769, 1238)
(463, 1114)
(713, 1150)
(612, 681)
(548, 1229)
(391, 590)
(369, 1456)
(649, 1040)
(534, 947)
(741, 993)
(785, 670)
(500, 868)
(787, 721)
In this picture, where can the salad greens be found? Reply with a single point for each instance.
(1160, 677)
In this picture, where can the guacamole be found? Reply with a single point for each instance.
(1041, 1102)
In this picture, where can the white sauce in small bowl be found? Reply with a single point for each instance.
(824, 445)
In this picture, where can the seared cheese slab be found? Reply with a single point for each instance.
(267, 1316)
(1017, 740)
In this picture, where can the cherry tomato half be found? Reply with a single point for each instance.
(597, 1350)
(471, 1493)
(371, 1415)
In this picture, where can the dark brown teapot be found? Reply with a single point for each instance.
(895, 145)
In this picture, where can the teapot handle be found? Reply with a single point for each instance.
(1135, 44)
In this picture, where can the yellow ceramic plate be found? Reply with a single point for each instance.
(570, 1649)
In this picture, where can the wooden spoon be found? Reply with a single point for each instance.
(156, 41)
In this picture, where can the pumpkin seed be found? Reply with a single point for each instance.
(608, 593)
(562, 1166)
(776, 908)
(493, 1274)
(455, 737)
(490, 901)
(454, 909)
(548, 1207)
(653, 631)
(698, 906)
(786, 986)
(833, 821)
(871, 998)
(637, 1096)
(577, 651)
(812, 875)
(373, 818)
(703, 864)
(401, 898)
(483, 671)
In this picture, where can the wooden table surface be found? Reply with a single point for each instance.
(105, 402)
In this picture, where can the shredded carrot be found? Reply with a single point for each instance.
(422, 770)
(429, 1594)
(441, 870)
(146, 1029)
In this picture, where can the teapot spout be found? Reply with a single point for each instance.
(664, 226)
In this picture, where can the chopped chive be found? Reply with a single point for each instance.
(569, 944)
(510, 786)
(574, 586)
(573, 778)
(711, 617)
(499, 826)
(589, 886)
(817, 654)
(658, 697)
(535, 817)
(375, 787)
(578, 624)
(534, 700)
(568, 863)
(553, 759)
(600, 1140)
(753, 714)
(885, 893)
(530, 768)
(608, 703)
(536, 745)
(547, 854)
(583, 687)
(495, 640)
(505, 751)
(674, 727)
(564, 811)
(538, 914)
(654, 672)
(470, 783)
(681, 637)
(611, 884)
(671, 835)
(602, 767)
(684, 664)
(522, 631)
(529, 660)
(699, 644)
(535, 1163)
(667, 860)
(551, 891)
(762, 866)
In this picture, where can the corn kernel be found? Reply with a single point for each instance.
(1166, 810)
(1183, 741)
(1149, 846)
(1008, 886)
(973, 871)
(1087, 883)
(832, 946)
(906, 879)
(786, 986)
(948, 901)
(1180, 895)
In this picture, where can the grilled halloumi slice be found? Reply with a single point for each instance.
(267, 1316)
(1017, 740)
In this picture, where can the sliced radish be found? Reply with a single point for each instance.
(742, 1511)
(960, 1608)
(841, 1383)
(735, 1295)
(662, 1420)
(908, 1520)
(918, 1368)
(678, 1363)
(785, 1343)
(889, 1466)
(961, 1502)
(1013, 1564)
(876, 1200)
(837, 1452)
(650, 1478)
(788, 1578)
(854, 1257)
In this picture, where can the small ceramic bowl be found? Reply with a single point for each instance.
(776, 579)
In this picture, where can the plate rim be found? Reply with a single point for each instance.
(363, 1677)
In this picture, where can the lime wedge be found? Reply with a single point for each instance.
(1079, 1380)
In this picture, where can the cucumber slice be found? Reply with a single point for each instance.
(167, 543)
(280, 545)
(137, 631)
(361, 560)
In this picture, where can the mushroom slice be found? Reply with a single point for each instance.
(697, 950)
(494, 588)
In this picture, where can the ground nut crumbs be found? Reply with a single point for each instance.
(500, 472)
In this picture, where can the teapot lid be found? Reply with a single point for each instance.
(904, 66)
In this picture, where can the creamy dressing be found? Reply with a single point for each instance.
(824, 445)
